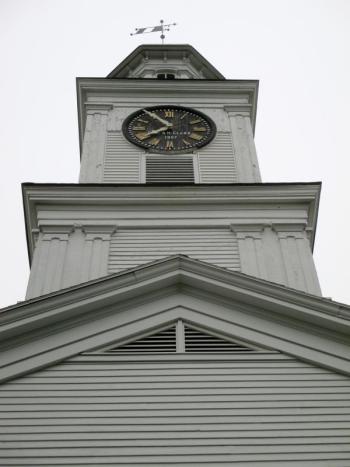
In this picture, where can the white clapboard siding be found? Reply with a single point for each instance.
(122, 160)
(216, 161)
(259, 409)
(133, 247)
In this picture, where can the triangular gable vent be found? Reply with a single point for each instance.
(201, 342)
(180, 337)
(163, 341)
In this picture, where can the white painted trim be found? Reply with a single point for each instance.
(259, 356)
(196, 170)
(180, 336)
(143, 168)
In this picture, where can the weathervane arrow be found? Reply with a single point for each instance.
(161, 28)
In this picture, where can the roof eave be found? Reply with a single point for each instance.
(60, 312)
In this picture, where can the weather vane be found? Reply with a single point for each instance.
(162, 28)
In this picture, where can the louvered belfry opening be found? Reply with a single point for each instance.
(180, 338)
(165, 169)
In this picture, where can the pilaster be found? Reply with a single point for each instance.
(295, 248)
(92, 160)
(251, 251)
(68, 255)
(279, 253)
(243, 145)
(96, 251)
(48, 261)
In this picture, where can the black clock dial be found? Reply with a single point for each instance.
(169, 129)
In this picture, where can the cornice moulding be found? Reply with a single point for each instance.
(94, 107)
(55, 197)
(228, 85)
(264, 191)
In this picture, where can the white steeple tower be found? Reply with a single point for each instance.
(175, 75)
(168, 165)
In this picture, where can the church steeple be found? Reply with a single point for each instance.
(108, 155)
(168, 166)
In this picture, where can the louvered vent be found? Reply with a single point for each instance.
(217, 160)
(200, 342)
(165, 169)
(161, 342)
(189, 340)
(122, 160)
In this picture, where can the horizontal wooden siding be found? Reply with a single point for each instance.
(102, 411)
(133, 247)
(122, 160)
(216, 161)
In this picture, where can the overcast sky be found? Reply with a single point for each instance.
(298, 49)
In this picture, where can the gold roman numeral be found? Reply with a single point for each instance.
(195, 136)
(169, 113)
(169, 145)
(135, 128)
(198, 120)
(142, 136)
(199, 128)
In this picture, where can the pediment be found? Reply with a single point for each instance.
(183, 60)
(108, 312)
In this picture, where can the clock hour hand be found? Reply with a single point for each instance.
(154, 115)
(154, 132)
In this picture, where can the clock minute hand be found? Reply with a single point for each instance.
(154, 115)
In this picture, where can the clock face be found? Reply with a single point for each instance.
(169, 129)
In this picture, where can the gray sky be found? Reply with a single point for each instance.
(298, 49)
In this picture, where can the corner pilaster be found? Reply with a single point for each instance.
(68, 255)
(244, 147)
(297, 257)
(48, 260)
(279, 253)
(92, 159)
